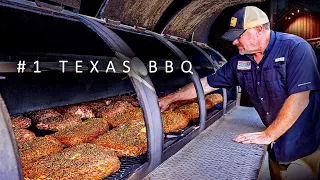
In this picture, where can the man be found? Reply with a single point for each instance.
(279, 72)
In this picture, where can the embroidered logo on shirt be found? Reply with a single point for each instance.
(244, 65)
(303, 84)
(280, 59)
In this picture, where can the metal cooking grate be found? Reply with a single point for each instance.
(171, 138)
(128, 165)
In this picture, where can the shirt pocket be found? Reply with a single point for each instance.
(275, 79)
(280, 71)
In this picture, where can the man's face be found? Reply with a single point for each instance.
(247, 43)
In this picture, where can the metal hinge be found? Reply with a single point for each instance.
(138, 28)
(49, 6)
(200, 44)
(174, 38)
(113, 22)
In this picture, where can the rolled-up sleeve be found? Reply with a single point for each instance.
(302, 71)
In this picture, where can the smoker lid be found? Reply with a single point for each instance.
(147, 13)
(139, 12)
(195, 13)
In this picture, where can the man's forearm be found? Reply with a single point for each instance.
(288, 115)
(189, 91)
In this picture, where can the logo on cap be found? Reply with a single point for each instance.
(233, 22)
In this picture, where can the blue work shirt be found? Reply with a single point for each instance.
(289, 66)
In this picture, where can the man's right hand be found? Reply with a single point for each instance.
(164, 103)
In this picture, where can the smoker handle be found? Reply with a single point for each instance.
(11, 167)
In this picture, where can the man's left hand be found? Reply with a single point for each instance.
(254, 138)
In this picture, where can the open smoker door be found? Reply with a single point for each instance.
(140, 80)
(10, 167)
(144, 89)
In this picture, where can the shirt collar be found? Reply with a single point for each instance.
(271, 43)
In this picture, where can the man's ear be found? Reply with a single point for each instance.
(259, 29)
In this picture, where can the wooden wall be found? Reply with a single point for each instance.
(302, 24)
(305, 26)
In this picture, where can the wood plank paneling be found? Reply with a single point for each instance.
(301, 24)
(304, 25)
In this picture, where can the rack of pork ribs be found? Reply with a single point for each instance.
(85, 140)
